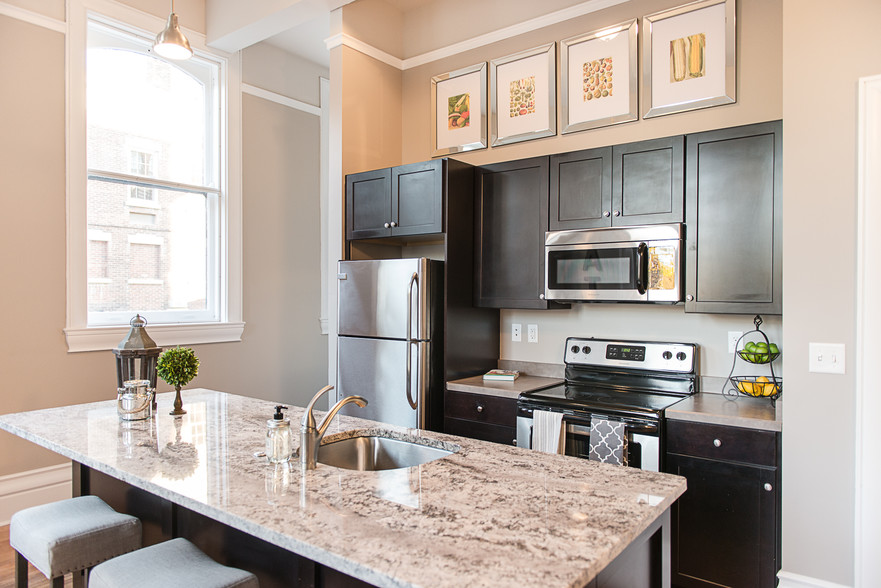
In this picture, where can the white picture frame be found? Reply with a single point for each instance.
(526, 79)
(689, 58)
(450, 93)
(600, 80)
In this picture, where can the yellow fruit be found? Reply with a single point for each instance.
(745, 387)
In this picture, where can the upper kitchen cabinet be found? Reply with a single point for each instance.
(396, 202)
(638, 183)
(511, 216)
(734, 255)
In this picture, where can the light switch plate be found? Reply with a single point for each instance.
(532, 333)
(826, 358)
(515, 332)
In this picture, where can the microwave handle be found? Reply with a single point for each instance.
(642, 271)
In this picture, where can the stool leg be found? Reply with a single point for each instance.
(21, 571)
(79, 579)
(58, 582)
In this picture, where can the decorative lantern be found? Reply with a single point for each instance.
(136, 356)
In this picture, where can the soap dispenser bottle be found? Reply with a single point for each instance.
(279, 439)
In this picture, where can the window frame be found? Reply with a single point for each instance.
(78, 334)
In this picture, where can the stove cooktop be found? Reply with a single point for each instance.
(585, 398)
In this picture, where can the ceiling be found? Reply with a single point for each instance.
(307, 39)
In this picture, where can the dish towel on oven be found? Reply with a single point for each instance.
(608, 441)
(546, 429)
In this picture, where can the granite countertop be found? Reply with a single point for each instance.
(738, 411)
(476, 385)
(487, 515)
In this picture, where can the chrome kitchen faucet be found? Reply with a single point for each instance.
(310, 435)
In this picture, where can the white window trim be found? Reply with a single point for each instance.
(79, 336)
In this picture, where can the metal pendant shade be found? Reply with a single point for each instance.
(171, 42)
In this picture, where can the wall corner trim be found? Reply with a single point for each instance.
(369, 50)
(33, 18)
(281, 99)
(33, 487)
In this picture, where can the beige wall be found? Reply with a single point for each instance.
(282, 355)
(820, 170)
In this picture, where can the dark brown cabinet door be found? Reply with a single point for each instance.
(723, 527)
(734, 254)
(368, 204)
(581, 189)
(417, 198)
(648, 184)
(511, 216)
(489, 418)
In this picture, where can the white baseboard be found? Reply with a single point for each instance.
(33, 487)
(790, 580)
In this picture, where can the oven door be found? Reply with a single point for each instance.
(643, 438)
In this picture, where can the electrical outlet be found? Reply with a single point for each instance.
(826, 358)
(515, 332)
(532, 333)
(733, 337)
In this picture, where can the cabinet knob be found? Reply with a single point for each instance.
(617, 213)
(386, 225)
(394, 224)
(542, 296)
(717, 442)
(479, 408)
(689, 297)
(768, 487)
(514, 442)
(607, 214)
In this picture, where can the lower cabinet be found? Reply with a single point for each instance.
(726, 527)
(488, 418)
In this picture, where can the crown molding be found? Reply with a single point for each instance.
(475, 42)
(33, 18)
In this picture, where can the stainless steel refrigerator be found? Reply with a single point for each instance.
(390, 345)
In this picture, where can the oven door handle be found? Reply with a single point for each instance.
(642, 270)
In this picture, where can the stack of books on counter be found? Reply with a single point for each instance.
(501, 375)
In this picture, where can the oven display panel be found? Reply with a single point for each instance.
(627, 353)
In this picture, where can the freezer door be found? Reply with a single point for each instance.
(373, 298)
(376, 370)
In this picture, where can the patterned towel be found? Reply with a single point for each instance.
(608, 441)
(546, 428)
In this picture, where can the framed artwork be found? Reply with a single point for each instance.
(524, 96)
(600, 83)
(689, 58)
(458, 104)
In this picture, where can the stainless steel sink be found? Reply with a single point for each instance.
(371, 453)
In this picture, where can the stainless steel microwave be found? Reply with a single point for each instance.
(621, 264)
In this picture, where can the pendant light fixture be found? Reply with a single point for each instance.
(171, 42)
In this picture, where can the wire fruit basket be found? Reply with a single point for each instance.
(754, 348)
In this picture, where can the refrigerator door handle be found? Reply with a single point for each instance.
(414, 279)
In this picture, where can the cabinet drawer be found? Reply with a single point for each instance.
(480, 408)
(721, 442)
(482, 431)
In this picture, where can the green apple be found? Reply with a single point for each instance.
(773, 348)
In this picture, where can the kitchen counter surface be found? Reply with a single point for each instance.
(477, 385)
(739, 411)
(488, 515)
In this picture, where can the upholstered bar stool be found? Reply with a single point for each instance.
(173, 563)
(69, 536)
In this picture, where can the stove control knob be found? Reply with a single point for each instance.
(574, 349)
(667, 355)
(681, 356)
(585, 349)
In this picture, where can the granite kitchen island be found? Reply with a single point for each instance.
(487, 515)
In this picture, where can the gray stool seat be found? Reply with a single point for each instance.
(169, 564)
(71, 535)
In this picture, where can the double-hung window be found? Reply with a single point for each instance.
(157, 224)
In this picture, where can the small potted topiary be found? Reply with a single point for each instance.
(178, 366)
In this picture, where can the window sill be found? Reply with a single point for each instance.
(106, 338)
